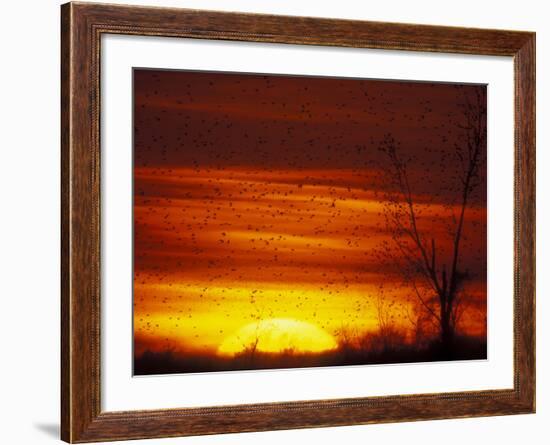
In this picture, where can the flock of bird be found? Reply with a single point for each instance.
(259, 196)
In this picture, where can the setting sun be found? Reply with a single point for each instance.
(278, 335)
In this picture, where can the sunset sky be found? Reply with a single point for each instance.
(261, 198)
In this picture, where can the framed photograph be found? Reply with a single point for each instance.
(275, 222)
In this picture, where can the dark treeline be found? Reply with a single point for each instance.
(173, 362)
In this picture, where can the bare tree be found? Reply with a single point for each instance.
(250, 347)
(390, 336)
(347, 337)
(422, 323)
(385, 321)
(434, 273)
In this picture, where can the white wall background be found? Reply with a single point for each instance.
(29, 222)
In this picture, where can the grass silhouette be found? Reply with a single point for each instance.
(368, 349)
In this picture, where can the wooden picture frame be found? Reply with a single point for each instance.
(82, 26)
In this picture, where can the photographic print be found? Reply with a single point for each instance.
(285, 221)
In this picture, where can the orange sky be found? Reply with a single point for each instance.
(220, 243)
(219, 248)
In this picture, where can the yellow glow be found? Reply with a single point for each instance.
(218, 249)
(278, 335)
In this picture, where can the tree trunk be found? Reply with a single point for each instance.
(447, 334)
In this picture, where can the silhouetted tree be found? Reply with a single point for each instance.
(433, 272)
(250, 349)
